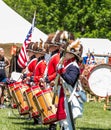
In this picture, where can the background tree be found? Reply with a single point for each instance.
(85, 18)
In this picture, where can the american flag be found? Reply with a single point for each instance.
(22, 58)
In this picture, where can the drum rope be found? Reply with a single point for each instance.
(21, 97)
(48, 107)
(46, 104)
(16, 98)
(55, 101)
(40, 108)
(27, 98)
(22, 104)
(34, 92)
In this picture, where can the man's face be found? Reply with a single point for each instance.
(52, 48)
(38, 55)
(68, 56)
(30, 53)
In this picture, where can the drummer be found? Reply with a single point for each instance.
(56, 45)
(29, 70)
(36, 67)
(39, 70)
(32, 61)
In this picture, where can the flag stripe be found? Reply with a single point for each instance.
(22, 58)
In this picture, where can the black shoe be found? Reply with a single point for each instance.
(62, 128)
(52, 127)
(37, 121)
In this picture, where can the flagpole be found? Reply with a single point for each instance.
(34, 17)
(22, 59)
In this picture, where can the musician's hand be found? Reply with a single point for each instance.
(41, 80)
(42, 83)
(52, 83)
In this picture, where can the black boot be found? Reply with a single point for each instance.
(62, 128)
(37, 121)
(52, 127)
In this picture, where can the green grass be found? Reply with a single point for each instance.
(94, 118)
(11, 120)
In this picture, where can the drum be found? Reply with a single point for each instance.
(43, 101)
(29, 93)
(17, 94)
(10, 87)
(96, 79)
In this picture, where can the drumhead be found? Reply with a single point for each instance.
(100, 80)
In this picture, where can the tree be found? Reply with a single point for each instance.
(85, 18)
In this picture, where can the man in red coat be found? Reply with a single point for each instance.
(54, 60)
(56, 44)
(40, 67)
(28, 71)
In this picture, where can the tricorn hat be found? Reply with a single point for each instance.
(30, 47)
(40, 48)
(75, 48)
(61, 37)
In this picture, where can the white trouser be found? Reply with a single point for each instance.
(67, 122)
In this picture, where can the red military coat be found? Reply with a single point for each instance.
(52, 66)
(39, 70)
(31, 66)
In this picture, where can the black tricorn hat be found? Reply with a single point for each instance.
(75, 48)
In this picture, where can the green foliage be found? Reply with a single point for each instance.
(85, 18)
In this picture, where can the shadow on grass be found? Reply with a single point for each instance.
(31, 124)
(23, 123)
(20, 118)
(39, 128)
(81, 128)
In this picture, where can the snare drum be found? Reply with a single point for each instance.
(20, 99)
(97, 80)
(43, 101)
(10, 87)
(29, 93)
